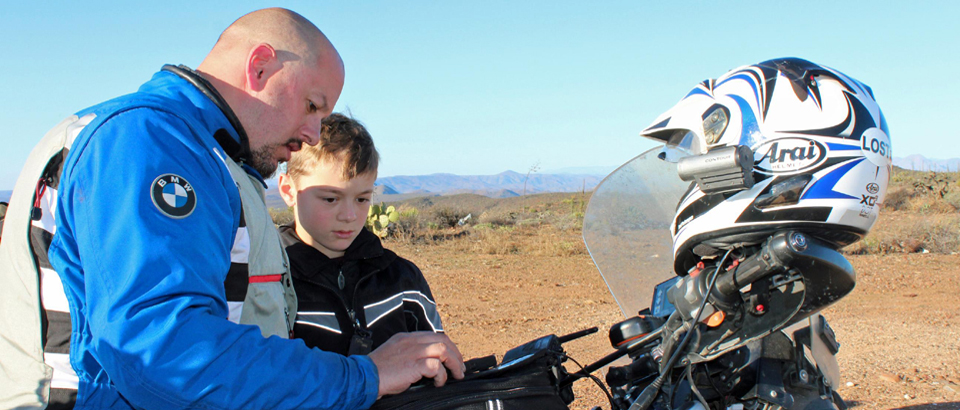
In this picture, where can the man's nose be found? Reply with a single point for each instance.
(311, 136)
(311, 131)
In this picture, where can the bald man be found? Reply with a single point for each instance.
(162, 236)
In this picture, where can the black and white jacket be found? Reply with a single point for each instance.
(353, 304)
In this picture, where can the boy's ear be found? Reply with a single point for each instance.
(288, 190)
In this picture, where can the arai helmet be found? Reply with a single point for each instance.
(821, 156)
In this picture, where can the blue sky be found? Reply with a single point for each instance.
(481, 87)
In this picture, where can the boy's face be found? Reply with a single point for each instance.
(329, 210)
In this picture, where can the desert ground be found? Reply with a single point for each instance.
(500, 285)
(899, 330)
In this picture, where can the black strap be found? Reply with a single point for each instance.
(239, 152)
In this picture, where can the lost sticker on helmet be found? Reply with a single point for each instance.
(788, 155)
(875, 145)
(173, 196)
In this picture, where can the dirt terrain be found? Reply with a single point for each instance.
(899, 329)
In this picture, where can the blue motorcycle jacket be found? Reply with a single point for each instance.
(146, 218)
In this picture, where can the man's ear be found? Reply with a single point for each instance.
(262, 63)
(288, 190)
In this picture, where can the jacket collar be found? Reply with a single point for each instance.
(235, 144)
(237, 148)
(365, 249)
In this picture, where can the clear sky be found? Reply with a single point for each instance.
(480, 87)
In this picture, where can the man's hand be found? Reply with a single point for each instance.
(408, 357)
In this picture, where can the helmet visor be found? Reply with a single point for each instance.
(681, 144)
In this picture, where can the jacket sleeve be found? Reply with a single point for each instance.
(153, 284)
(419, 302)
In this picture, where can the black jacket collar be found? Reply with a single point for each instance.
(309, 261)
(237, 150)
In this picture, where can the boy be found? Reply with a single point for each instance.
(353, 294)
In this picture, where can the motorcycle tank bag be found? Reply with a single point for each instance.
(529, 377)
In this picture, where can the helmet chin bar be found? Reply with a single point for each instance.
(727, 169)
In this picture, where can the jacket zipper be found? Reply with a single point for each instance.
(358, 328)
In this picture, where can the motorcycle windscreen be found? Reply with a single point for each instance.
(627, 228)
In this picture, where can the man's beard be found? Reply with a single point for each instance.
(262, 161)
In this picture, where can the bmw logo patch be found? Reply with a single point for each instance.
(173, 196)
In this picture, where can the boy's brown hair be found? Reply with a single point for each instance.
(342, 139)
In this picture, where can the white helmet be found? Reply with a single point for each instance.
(821, 156)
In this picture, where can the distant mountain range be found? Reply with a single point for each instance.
(502, 185)
(921, 163)
(510, 183)
(507, 183)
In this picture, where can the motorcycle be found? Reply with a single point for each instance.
(737, 332)
(741, 331)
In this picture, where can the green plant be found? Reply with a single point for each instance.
(409, 225)
(380, 218)
(578, 206)
(409, 212)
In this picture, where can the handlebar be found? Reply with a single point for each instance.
(621, 351)
(776, 254)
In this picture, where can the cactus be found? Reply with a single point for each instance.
(379, 219)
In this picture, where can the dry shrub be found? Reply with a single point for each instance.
(905, 232)
(923, 191)
(496, 241)
(281, 216)
(930, 204)
(431, 236)
(553, 241)
(572, 221)
(532, 230)
(543, 240)
(897, 199)
(942, 238)
(410, 224)
(422, 227)
(953, 198)
(547, 225)
(448, 217)
(497, 219)
(865, 246)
